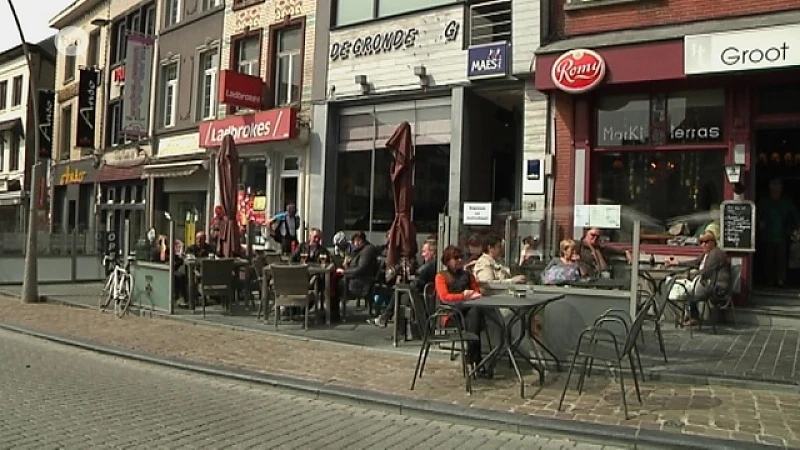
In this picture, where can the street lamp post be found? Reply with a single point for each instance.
(30, 287)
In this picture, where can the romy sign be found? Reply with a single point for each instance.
(387, 52)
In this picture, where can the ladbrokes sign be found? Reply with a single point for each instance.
(265, 126)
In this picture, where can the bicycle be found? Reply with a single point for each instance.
(117, 287)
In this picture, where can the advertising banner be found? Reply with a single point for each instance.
(87, 101)
(138, 80)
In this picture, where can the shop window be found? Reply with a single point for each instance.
(3, 94)
(347, 12)
(623, 120)
(288, 64)
(774, 99)
(16, 91)
(207, 92)
(489, 21)
(368, 194)
(696, 117)
(169, 94)
(660, 188)
(66, 132)
(246, 54)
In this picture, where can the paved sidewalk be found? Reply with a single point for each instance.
(744, 353)
(765, 416)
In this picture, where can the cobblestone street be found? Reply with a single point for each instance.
(765, 416)
(59, 397)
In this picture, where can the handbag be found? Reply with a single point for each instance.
(561, 273)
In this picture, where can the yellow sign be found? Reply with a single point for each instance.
(72, 176)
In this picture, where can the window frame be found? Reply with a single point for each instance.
(377, 16)
(2, 151)
(3, 95)
(272, 52)
(208, 5)
(150, 19)
(16, 91)
(169, 87)
(14, 152)
(70, 67)
(65, 133)
(120, 33)
(233, 56)
(114, 136)
(201, 101)
(241, 4)
(172, 13)
(93, 49)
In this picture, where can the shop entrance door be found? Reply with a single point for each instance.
(290, 184)
(777, 158)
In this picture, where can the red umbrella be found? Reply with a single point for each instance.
(402, 234)
(228, 175)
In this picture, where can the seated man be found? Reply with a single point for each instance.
(425, 273)
(595, 257)
(161, 254)
(359, 276)
(201, 248)
(313, 251)
(713, 275)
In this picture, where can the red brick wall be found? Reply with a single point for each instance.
(648, 13)
(564, 163)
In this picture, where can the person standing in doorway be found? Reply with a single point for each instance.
(285, 226)
(778, 216)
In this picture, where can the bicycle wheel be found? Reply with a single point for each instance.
(124, 298)
(108, 292)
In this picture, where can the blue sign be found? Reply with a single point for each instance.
(488, 60)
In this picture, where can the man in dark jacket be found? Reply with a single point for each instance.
(313, 250)
(425, 274)
(359, 275)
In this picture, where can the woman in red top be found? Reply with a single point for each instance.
(454, 285)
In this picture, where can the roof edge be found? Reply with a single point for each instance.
(71, 13)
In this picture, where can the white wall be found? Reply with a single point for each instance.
(386, 71)
(8, 71)
(534, 144)
(525, 34)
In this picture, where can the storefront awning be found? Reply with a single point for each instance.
(10, 198)
(119, 173)
(173, 169)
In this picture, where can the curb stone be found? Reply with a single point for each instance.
(725, 380)
(521, 424)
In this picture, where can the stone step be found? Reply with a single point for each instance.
(775, 297)
(781, 316)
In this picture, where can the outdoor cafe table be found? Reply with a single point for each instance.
(602, 283)
(522, 309)
(313, 269)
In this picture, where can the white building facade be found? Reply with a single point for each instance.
(460, 75)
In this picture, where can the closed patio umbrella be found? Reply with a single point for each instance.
(228, 174)
(402, 241)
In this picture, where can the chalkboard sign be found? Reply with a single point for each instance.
(738, 226)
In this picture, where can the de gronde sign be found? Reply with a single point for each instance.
(578, 71)
(264, 126)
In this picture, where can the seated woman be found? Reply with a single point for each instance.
(565, 268)
(454, 285)
(488, 266)
(713, 275)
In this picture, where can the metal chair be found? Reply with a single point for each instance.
(600, 334)
(290, 285)
(217, 280)
(433, 333)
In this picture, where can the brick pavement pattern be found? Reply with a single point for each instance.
(764, 416)
(62, 397)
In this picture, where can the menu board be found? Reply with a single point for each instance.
(737, 226)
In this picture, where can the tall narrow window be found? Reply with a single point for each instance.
(114, 136)
(150, 21)
(207, 86)
(173, 15)
(69, 67)
(247, 55)
(120, 41)
(92, 49)
(3, 94)
(13, 154)
(2, 151)
(170, 95)
(65, 142)
(16, 91)
(136, 23)
(288, 65)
